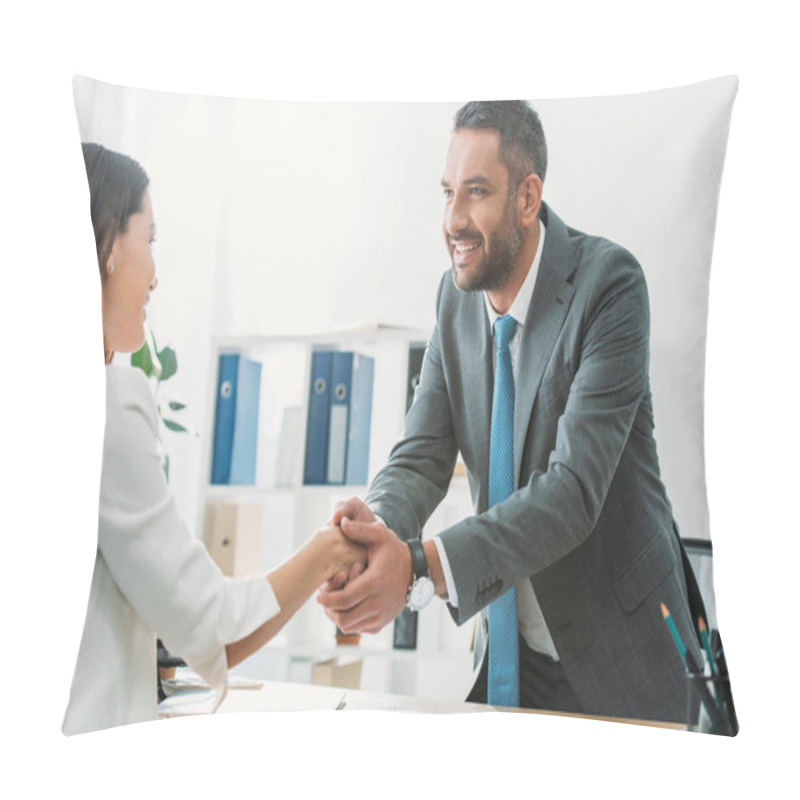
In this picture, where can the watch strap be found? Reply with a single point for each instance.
(418, 560)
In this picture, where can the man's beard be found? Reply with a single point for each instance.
(499, 258)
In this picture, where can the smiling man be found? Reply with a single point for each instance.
(537, 373)
(486, 240)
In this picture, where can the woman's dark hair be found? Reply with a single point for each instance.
(116, 186)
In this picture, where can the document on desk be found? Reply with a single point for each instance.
(186, 679)
(186, 703)
(271, 696)
(187, 693)
(277, 696)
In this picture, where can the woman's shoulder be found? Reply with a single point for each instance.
(128, 396)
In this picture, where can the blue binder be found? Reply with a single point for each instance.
(316, 463)
(341, 381)
(360, 419)
(236, 420)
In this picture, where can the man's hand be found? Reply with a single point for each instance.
(354, 508)
(375, 597)
(357, 510)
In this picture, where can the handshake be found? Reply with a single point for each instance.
(369, 588)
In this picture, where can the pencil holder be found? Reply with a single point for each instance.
(709, 705)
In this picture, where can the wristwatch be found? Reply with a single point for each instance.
(421, 590)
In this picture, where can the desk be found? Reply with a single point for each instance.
(279, 696)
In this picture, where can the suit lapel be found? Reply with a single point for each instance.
(550, 302)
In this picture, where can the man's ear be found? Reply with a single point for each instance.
(529, 199)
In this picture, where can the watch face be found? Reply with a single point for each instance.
(421, 594)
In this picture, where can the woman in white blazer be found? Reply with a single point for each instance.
(151, 576)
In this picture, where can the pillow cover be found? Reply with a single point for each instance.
(282, 218)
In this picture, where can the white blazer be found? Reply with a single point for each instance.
(151, 577)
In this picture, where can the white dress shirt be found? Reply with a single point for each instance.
(151, 577)
(532, 626)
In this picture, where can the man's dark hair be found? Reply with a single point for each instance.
(523, 148)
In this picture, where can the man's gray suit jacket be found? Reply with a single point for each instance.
(590, 524)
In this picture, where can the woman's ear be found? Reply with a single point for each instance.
(109, 265)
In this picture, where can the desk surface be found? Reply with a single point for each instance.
(279, 696)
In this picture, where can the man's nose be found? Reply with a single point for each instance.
(455, 217)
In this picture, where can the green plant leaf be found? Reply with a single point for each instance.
(174, 426)
(176, 406)
(166, 467)
(143, 359)
(169, 363)
(154, 353)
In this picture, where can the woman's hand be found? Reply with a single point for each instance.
(327, 552)
(344, 558)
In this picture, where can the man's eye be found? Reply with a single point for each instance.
(448, 193)
(477, 190)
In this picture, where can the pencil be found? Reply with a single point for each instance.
(714, 714)
(701, 624)
(676, 637)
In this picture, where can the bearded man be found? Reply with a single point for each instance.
(537, 373)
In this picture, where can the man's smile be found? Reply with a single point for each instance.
(464, 250)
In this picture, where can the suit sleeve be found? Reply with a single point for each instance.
(415, 480)
(558, 507)
(163, 571)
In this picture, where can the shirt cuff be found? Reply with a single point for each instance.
(452, 594)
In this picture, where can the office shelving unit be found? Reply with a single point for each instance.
(441, 664)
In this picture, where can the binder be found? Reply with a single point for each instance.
(341, 381)
(232, 537)
(288, 446)
(339, 418)
(352, 376)
(360, 420)
(316, 463)
(236, 420)
(405, 630)
(416, 353)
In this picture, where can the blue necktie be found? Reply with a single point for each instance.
(503, 642)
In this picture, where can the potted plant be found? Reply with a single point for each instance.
(160, 365)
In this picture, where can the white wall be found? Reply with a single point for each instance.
(278, 217)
